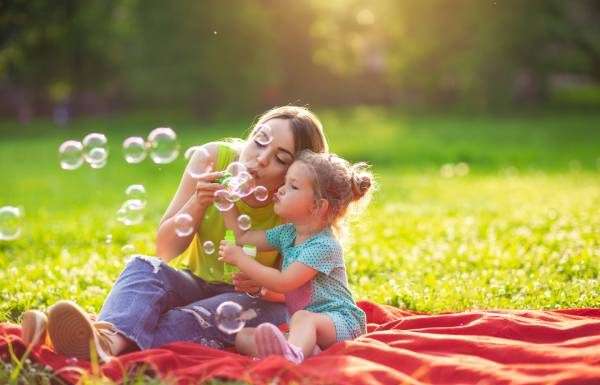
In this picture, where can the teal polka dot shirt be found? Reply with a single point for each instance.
(328, 292)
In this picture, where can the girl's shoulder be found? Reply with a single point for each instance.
(325, 240)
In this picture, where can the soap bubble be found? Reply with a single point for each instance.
(184, 224)
(263, 135)
(261, 193)
(137, 192)
(243, 185)
(128, 249)
(98, 165)
(94, 148)
(10, 223)
(238, 186)
(200, 157)
(163, 145)
(461, 169)
(209, 247)
(96, 157)
(94, 140)
(244, 176)
(228, 317)
(235, 168)
(222, 200)
(232, 196)
(134, 149)
(190, 152)
(447, 170)
(71, 155)
(131, 212)
(244, 222)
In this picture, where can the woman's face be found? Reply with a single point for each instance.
(268, 163)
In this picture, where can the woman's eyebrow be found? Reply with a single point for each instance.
(290, 178)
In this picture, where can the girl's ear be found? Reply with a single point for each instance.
(321, 207)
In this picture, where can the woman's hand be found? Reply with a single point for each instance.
(243, 283)
(206, 186)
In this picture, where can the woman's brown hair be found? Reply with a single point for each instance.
(307, 129)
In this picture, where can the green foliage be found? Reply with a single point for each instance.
(72, 44)
(483, 53)
(26, 372)
(471, 211)
(225, 56)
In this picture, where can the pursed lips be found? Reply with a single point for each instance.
(254, 173)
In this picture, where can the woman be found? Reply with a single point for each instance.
(152, 303)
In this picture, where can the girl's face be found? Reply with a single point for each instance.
(268, 163)
(295, 200)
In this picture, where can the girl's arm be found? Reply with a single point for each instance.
(256, 238)
(272, 279)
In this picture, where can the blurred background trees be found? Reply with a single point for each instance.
(69, 58)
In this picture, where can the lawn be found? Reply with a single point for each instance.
(471, 212)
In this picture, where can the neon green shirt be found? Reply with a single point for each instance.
(212, 228)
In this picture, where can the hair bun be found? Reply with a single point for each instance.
(361, 183)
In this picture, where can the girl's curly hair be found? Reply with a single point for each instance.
(339, 182)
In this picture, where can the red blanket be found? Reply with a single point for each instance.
(401, 347)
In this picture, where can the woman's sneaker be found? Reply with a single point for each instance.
(270, 340)
(34, 324)
(74, 334)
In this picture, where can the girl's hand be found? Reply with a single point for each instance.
(243, 283)
(230, 253)
(206, 187)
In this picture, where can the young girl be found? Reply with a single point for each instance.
(317, 192)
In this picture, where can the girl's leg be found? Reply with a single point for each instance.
(244, 342)
(308, 329)
(195, 322)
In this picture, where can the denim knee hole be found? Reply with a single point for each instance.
(153, 261)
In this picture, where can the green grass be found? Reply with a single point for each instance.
(519, 230)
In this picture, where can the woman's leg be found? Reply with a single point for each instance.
(196, 322)
(145, 289)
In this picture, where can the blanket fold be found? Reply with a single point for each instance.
(519, 347)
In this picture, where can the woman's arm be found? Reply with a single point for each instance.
(272, 279)
(193, 196)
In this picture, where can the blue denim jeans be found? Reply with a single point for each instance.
(153, 304)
